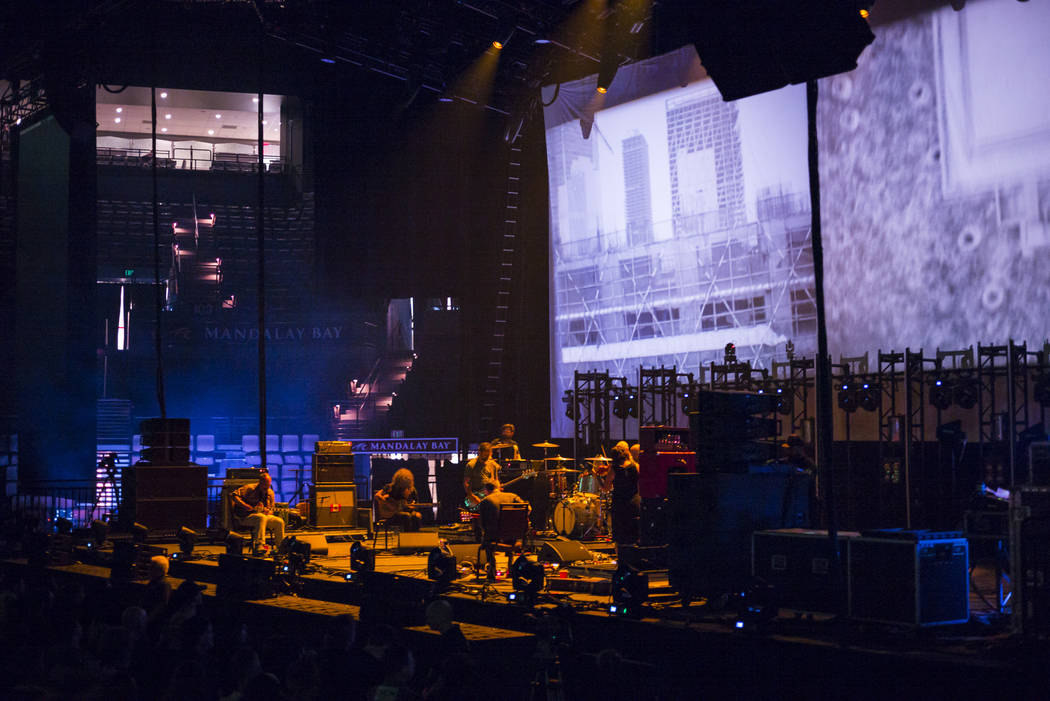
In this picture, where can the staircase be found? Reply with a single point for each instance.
(363, 415)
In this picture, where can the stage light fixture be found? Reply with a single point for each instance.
(632, 404)
(441, 567)
(966, 392)
(527, 578)
(630, 589)
(187, 538)
(361, 558)
(139, 532)
(940, 394)
(847, 397)
(869, 396)
(234, 544)
(570, 404)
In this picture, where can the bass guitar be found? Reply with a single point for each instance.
(470, 506)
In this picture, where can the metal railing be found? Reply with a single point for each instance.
(51, 500)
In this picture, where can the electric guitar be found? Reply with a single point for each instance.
(480, 494)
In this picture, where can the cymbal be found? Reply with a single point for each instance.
(544, 444)
(598, 459)
(559, 458)
(558, 471)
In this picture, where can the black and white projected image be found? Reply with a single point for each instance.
(679, 223)
(935, 183)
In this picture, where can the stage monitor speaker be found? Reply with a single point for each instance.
(467, 553)
(334, 505)
(564, 552)
(333, 468)
(416, 541)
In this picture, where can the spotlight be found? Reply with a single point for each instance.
(570, 404)
(139, 533)
(630, 589)
(527, 578)
(869, 396)
(187, 538)
(940, 394)
(99, 531)
(632, 404)
(235, 544)
(361, 558)
(441, 567)
(688, 402)
(965, 392)
(848, 397)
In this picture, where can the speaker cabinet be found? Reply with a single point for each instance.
(165, 498)
(333, 468)
(334, 505)
(920, 579)
(245, 578)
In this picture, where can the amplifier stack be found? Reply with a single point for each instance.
(334, 494)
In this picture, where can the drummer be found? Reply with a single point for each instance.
(504, 447)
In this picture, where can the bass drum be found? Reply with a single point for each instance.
(575, 516)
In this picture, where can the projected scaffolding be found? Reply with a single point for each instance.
(679, 224)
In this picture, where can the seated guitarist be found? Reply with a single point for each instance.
(479, 470)
(394, 501)
(252, 505)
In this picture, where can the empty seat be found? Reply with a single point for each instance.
(250, 443)
(289, 443)
(205, 443)
(293, 459)
(309, 439)
(272, 443)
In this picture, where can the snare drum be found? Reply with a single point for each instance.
(575, 516)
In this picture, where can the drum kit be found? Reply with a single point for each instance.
(580, 499)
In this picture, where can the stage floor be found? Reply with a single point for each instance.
(807, 650)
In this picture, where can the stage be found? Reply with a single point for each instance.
(673, 649)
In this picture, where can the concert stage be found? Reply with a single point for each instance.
(668, 650)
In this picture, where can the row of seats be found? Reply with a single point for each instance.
(249, 445)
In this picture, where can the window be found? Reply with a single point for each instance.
(733, 313)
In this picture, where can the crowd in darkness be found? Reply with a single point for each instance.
(120, 642)
(93, 639)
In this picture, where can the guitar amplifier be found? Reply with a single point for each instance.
(334, 505)
(329, 468)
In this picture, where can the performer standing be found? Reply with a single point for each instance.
(479, 470)
(504, 447)
(626, 504)
(394, 501)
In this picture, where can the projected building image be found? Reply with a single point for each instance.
(665, 247)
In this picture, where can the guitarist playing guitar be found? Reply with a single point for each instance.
(394, 502)
(478, 471)
(253, 505)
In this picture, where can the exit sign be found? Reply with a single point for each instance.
(129, 272)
